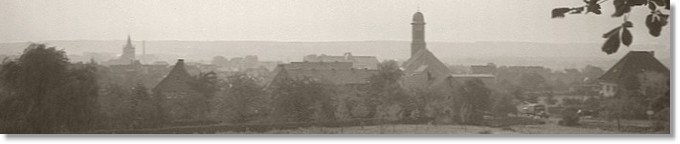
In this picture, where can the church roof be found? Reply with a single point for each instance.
(634, 63)
(425, 60)
(178, 79)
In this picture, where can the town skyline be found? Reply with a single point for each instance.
(305, 21)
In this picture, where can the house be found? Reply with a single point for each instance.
(345, 82)
(632, 64)
(176, 95)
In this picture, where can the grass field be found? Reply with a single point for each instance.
(550, 127)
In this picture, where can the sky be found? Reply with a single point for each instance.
(309, 20)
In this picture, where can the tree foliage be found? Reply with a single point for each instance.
(384, 90)
(245, 97)
(655, 21)
(207, 85)
(300, 99)
(47, 94)
(474, 102)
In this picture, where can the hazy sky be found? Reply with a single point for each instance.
(307, 20)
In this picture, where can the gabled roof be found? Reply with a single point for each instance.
(634, 63)
(337, 77)
(178, 79)
(424, 59)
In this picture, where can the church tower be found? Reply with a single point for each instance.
(418, 33)
(128, 51)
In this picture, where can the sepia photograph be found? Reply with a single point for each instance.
(337, 67)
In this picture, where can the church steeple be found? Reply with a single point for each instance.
(128, 51)
(129, 42)
(418, 33)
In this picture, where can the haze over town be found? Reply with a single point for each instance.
(286, 31)
(335, 67)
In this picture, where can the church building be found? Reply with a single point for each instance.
(423, 68)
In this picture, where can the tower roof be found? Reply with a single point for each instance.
(418, 17)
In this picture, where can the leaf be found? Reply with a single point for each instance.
(627, 24)
(593, 6)
(655, 23)
(652, 6)
(559, 12)
(621, 8)
(612, 44)
(611, 32)
(626, 37)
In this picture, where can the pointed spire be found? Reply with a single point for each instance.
(129, 42)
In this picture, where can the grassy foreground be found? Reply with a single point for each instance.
(550, 127)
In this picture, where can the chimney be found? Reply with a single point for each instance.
(651, 52)
(180, 62)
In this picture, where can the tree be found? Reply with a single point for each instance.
(474, 102)
(47, 94)
(220, 61)
(296, 99)
(384, 91)
(142, 107)
(655, 21)
(245, 96)
(207, 85)
(115, 106)
(625, 102)
(532, 81)
(504, 106)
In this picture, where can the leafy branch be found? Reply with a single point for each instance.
(655, 21)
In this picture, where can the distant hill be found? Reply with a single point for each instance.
(553, 55)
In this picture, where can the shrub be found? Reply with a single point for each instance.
(570, 117)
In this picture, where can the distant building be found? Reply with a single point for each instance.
(309, 66)
(127, 57)
(418, 33)
(358, 62)
(329, 76)
(176, 93)
(423, 68)
(346, 83)
(483, 69)
(632, 64)
(128, 51)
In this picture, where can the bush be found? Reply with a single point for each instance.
(570, 117)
